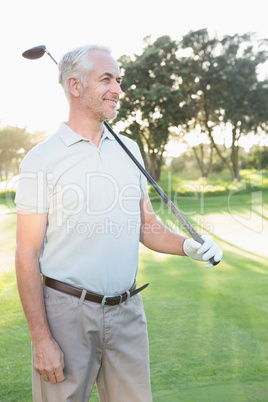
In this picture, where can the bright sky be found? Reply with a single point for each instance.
(30, 95)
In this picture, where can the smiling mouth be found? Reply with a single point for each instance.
(112, 101)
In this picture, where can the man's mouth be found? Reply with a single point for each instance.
(111, 100)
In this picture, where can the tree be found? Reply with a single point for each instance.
(224, 88)
(258, 159)
(150, 104)
(203, 164)
(15, 142)
(199, 71)
(245, 104)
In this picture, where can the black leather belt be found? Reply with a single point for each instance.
(94, 297)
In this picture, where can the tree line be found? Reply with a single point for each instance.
(198, 83)
(15, 142)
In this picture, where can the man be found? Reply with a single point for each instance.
(82, 209)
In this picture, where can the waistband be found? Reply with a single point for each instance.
(90, 296)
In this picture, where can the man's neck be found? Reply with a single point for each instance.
(90, 129)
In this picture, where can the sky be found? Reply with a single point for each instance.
(30, 95)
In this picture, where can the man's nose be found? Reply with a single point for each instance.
(116, 88)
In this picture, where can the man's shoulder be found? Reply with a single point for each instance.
(44, 149)
(47, 144)
(128, 142)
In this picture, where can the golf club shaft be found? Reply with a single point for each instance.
(47, 52)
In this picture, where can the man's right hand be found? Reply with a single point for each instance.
(48, 360)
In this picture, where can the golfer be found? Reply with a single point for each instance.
(82, 209)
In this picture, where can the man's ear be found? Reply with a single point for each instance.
(75, 87)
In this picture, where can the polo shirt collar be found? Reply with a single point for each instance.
(70, 137)
(107, 134)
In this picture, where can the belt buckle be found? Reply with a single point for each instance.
(103, 302)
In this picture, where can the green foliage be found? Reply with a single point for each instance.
(178, 164)
(7, 195)
(151, 96)
(197, 83)
(217, 167)
(259, 159)
(15, 142)
(225, 87)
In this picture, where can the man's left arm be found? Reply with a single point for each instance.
(155, 235)
(158, 237)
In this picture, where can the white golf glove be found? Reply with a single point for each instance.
(202, 252)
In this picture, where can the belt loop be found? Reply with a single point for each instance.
(82, 298)
(128, 296)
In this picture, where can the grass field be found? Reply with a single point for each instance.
(207, 327)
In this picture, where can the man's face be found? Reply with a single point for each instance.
(100, 97)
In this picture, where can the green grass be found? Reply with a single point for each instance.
(207, 327)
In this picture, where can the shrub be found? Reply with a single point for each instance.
(178, 165)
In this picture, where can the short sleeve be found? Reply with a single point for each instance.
(32, 191)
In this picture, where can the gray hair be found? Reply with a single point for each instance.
(77, 63)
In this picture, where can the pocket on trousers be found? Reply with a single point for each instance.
(55, 297)
(136, 302)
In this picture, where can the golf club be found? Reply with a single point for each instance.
(37, 52)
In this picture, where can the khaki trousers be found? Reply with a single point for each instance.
(107, 345)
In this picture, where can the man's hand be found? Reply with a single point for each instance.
(49, 361)
(202, 252)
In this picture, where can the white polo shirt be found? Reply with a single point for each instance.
(91, 195)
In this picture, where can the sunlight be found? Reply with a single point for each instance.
(237, 230)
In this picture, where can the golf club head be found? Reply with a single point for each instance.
(35, 52)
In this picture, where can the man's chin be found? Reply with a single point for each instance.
(111, 116)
